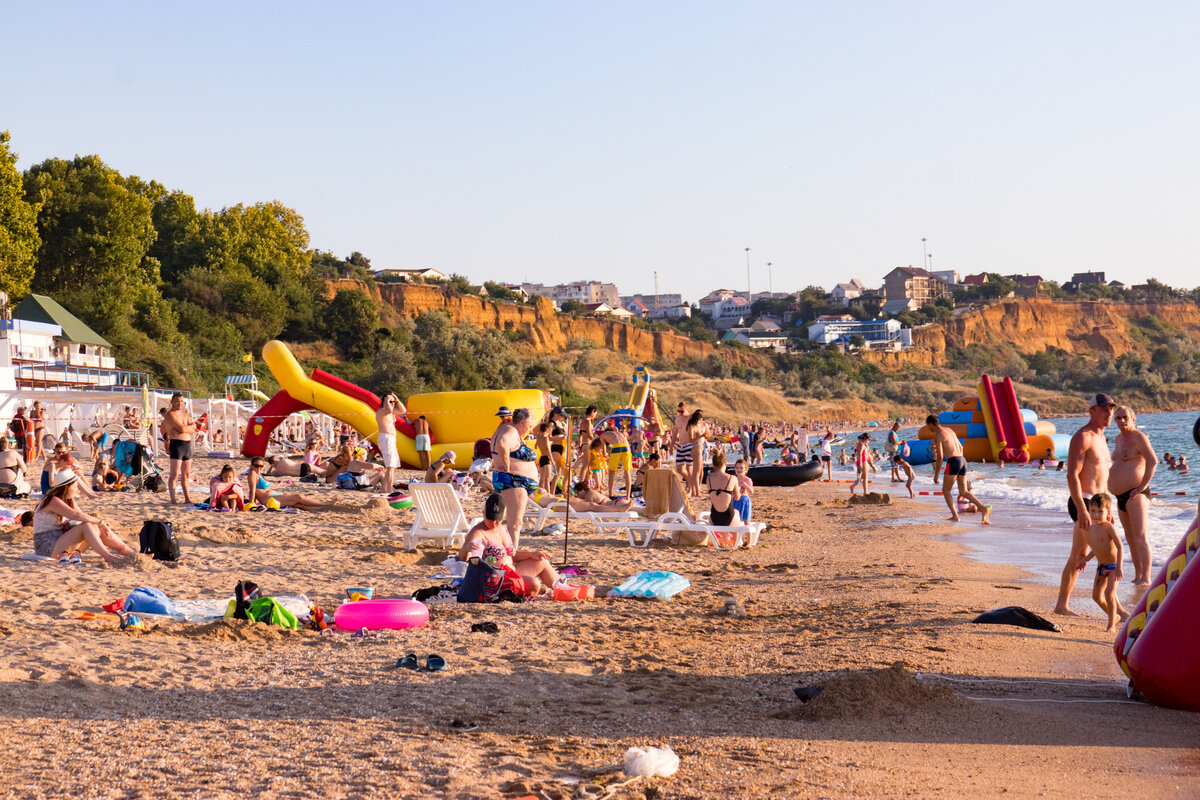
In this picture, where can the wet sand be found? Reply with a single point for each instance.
(862, 600)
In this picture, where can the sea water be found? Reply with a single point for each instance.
(1030, 527)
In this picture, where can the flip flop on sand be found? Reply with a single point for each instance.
(435, 664)
(408, 662)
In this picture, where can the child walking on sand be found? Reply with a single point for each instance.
(1106, 547)
(900, 464)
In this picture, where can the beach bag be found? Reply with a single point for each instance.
(154, 483)
(350, 480)
(272, 612)
(148, 600)
(907, 451)
(157, 539)
(482, 583)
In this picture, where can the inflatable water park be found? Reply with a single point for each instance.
(456, 419)
(993, 427)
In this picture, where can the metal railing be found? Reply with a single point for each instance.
(50, 376)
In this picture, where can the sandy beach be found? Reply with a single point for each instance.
(861, 600)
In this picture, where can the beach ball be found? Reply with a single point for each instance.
(400, 501)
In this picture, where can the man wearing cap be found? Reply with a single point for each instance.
(1088, 461)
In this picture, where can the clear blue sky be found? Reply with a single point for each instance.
(552, 141)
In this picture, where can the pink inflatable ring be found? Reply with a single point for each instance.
(378, 615)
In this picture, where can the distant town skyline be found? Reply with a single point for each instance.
(549, 143)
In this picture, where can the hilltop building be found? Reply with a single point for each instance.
(843, 293)
(913, 284)
(878, 333)
(585, 292)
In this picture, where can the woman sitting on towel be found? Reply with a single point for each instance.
(225, 491)
(260, 491)
(489, 541)
(59, 526)
(723, 489)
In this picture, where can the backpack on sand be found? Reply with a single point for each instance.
(157, 539)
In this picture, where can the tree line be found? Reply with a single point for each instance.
(179, 292)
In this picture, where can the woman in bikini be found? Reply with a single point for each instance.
(489, 541)
(514, 468)
(13, 469)
(260, 490)
(1133, 464)
(690, 452)
(545, 467)
(558, 441)
(723, 490)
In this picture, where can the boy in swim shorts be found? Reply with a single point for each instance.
(899, 464)
(1106, 547)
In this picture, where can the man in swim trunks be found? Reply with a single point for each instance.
(514, 467)
(385, 418)
(619, 457)
(423, 442)
(1133, 465)
(177, 428)
(945, 445)
(1088, 462)
(681, 442)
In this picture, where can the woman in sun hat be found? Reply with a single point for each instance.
(59, 526)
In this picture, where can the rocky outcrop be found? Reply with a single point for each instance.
(548, 331)
(1036, 324)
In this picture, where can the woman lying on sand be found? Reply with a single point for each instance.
(260, 491)
(489, 540)
(52, 533)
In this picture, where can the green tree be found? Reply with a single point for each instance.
(571, 307)
(351, 319)
(857, 342)
(96, 231)
(394, 369)
(19, 239)
(461, 284)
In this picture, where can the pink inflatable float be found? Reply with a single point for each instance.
(1159, 647)
(378, 615)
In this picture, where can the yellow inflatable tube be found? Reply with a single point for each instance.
(458, 419)
(340, 406)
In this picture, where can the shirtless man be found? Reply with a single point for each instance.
(1133, 467)
(619, 458)
(679, 438)
(1087, 473)
(945, 445)
(178, 428)
(423, 442)
(385, 418)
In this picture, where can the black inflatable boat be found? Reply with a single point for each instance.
(778, 475)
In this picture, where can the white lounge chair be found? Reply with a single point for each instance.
(537, 516)
(439, 516)
(721, 537)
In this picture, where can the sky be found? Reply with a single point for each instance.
(552, 141)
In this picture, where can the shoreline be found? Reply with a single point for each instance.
(835, 595)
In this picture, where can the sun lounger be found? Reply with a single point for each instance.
(668, 514)
(439, 516)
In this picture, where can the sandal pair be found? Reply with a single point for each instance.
(433, 663)
(71, 557)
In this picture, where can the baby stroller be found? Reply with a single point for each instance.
(135, 462)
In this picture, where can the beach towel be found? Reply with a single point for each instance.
(662, 492)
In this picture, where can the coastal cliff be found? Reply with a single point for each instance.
(548, 331)
(1037, 324)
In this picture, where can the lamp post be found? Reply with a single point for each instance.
(770, 282)
(748, 298)
(924, 253)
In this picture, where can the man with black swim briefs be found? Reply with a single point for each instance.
(946, 445)
(178, 428)
(1087, 474)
